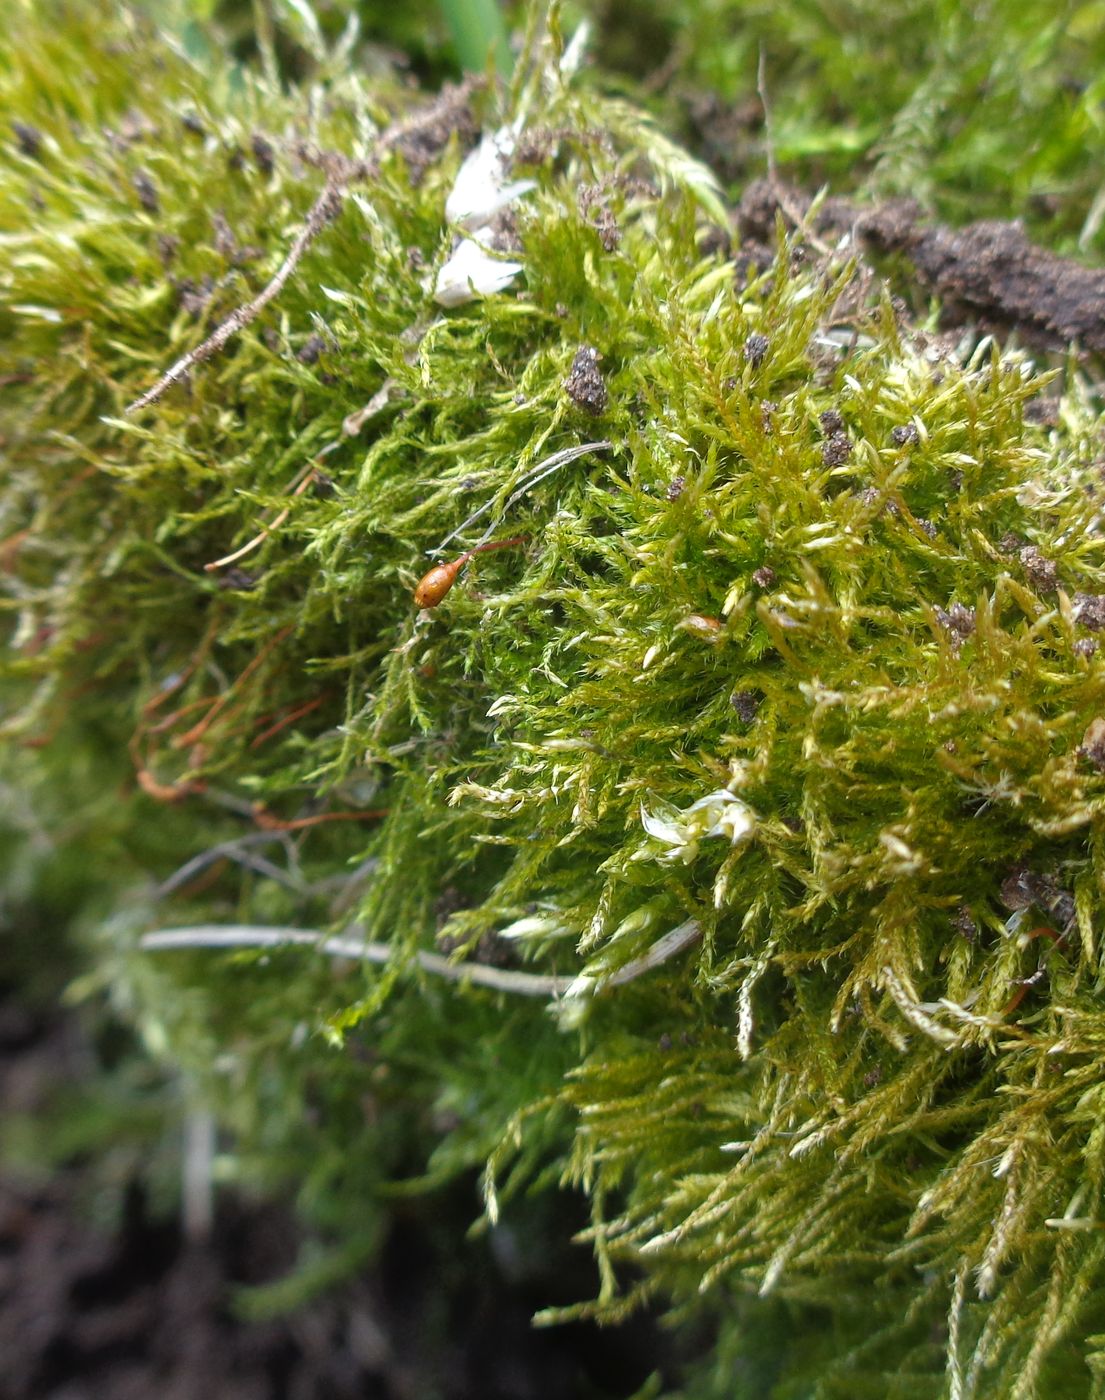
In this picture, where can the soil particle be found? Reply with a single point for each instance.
(534, 147)
(958, 619)
(958, 622)
(1089, 610)
(146, 191)
(538, 145)
(28, 138)
(195, 297)
(730, 135)
(1023, 888)
(237, 581)
(606, 226)
(675, 488)
(311, 349)
(133, 127)
(450, 113)
(903, 435)
(594, 207)
(746, 703)
(764, 576)
(1039, 569)
(752, 260)
(263, 153)
(222, 236)
(837, 450)
(964, 924)
(714, 240)
(504, 236)
(832, 422)
(871, 496)
(755, 349)
(1042, 411)
(585, 385)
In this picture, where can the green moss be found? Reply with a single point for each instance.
(795, 658)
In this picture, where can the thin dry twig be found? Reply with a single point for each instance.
(340, 173)
(674, 941)
(196, 733)
(240, 851)
(529, 480)
(246, 936)
(266, 530)
(769, 129)
(324, 210)
(267, 822)
(528, 984)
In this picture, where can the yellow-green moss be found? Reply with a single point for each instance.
(824, 584)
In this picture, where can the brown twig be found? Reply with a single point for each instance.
(280, 724)
(986, 272)
(165, 792)
(176, 682)
(265, 531)
(183, 741)
(426, 126)
(267, 822)
(324, 210)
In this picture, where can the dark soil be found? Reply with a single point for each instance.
(987, 272)
(134, 1311)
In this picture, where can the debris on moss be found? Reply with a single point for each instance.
(585, 385)
(987, 273)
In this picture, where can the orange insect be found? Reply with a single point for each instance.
(441, 577)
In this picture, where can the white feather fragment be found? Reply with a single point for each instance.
(481, 191)
(473, 272)
(481, 187)
(720, 813)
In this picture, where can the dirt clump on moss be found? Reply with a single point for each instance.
(585, 385)
(987, 272)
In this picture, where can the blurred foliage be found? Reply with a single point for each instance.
(977, 108)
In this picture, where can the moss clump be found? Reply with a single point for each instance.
(773, 749)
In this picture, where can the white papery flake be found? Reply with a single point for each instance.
(473, 272)
(720, 813)
(482, 188)
(481, 191)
